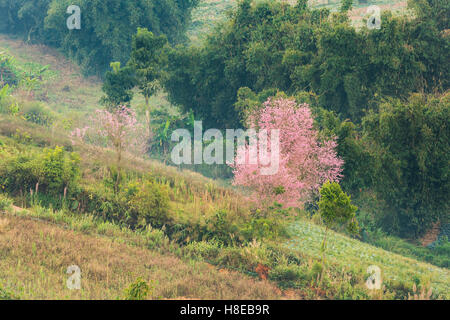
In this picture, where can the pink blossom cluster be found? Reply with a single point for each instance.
(305, 162)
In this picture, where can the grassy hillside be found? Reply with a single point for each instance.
(213, 236)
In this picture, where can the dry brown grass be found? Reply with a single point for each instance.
(3, 224)
(34, 257)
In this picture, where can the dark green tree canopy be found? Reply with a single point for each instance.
(148, 60)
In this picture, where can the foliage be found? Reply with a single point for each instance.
(51, 171)
(6, 295)
(305, 162)
(148, 203)
(118, 86)
(221, 229)
(37, 113)
(358, 164)
(410, 144)
(147, 59)
(267, 45)
(335, 207)
(106, 26)
(5, 203)
(138, 290)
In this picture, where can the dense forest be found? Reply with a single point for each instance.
(382, 92)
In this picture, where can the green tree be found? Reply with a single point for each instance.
(138, 290)
(265, 45)
(346, 5)
(358, 163)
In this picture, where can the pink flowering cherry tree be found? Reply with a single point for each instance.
(305, 160)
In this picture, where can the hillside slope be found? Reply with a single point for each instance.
(345, 252)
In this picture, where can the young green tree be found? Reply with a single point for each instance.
(335, 209)
(118, 86)
(148, 60)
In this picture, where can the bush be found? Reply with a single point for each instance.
(5, 203)
(288, 275)
(52, 172)
(316, 270)
(6, 295)
(262, 228)
(222, 229)
(38, 113)
(203, 250)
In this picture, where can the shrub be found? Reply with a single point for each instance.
(203, 250)
(262, 228)
(221, 228)
(6, 295)
(234, 257)
(59, 171)
(148, 204)
(335, 208)
(316, 270)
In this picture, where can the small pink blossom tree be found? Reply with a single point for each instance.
(305, 161)
(118, 129)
